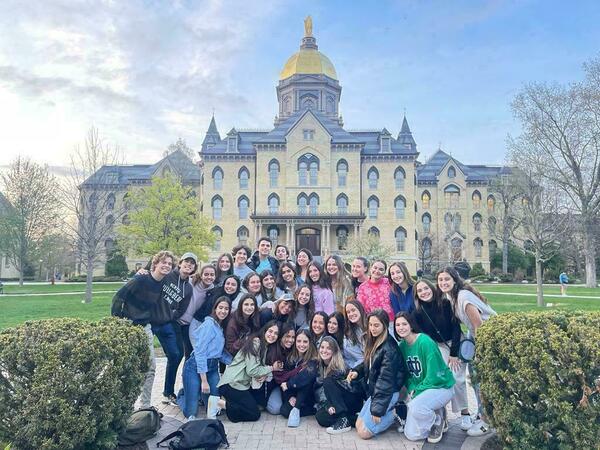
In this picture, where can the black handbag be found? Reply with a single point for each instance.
(207, 434)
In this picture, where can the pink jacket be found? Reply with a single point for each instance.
(376, 295)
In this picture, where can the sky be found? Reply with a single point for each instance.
(148, 72)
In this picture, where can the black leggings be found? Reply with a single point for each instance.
(345, 403)
(183, 339)
(304, 401)
(242, 406)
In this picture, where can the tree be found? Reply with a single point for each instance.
(165, 216)
(182, 146)
(33, 213)
(88, 196)
(561, 135)
(432, 252)
(369, 246)
(116, 264)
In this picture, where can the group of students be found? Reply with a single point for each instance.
(365, 349)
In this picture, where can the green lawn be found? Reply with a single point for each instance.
(17, 309)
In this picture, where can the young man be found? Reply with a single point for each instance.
(137, 300)
(261, 259)
(360, 272)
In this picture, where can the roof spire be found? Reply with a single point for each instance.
(212, 136)
(405, 136)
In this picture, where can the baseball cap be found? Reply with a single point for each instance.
(189, 255)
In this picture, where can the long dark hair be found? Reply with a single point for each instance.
(246, 281)
(213, 314)
(310, 258)
(267, 296)
(310, 308)
(250, 324)
(325, 320)
(310, 354)
(218, 272)
(280, 282)
(339, 334)
(249, 349)
(373, 343)
(279, 352)
(323, 280)
(410, 318)
(402, 266)
(197, 278)
(356, 332)
(459, 285)
(438, 298)
(219, 291)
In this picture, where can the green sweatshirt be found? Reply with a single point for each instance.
(426, 367)
(242, 369)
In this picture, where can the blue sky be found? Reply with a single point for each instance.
(148, 72)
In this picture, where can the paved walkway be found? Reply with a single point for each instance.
(272, 433)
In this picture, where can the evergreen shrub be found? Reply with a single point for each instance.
(534, 369)
(477, 271)
(69, 384)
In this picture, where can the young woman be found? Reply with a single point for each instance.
(384, 374)
(282, 311)
(241, 255)
(201, 370)
(303, 258)
(339, 280)
(244, 321)
(240, 403)
(356, 327)
(336, 326)
(375, 292)
(305, 306)
(318, 326)
(230, 289)
(429, 384)
(250, 285)
(268, 289)
(224, 268)
(280, 352)
(321, 290)
(336, 404)
(282, 253)
(471, 308)
(401, 292)
(287, 281)
(297, 390)
(359, 271)
(434, 316)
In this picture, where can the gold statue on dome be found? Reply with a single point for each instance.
(308, 26)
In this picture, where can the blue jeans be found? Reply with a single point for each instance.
(386, 421)
(168, 341)
(192, 385)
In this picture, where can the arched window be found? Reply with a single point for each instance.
(217, 207)
(342, 237)
(452, 196)
(451, 172)
(273, 173)
(399, 177)
(110, 220)
(303, 174)
(426, 248)
(456, 222)
(109, 245)
(166, 171)
(217, 175)
(426, 221)
(373, 177)
(242, 235)
(342, 172)
(425, 199)
(477, 222)
(313, 204)
(218, 232)
(478, 246)
(125, 220)
(374, 231)
(244, 176)
(491, 202)
(313, 173)
(400, 235)
(373, 204)
(456, 249)
(400, 206)
(492, 225)
(110, 201)
(493, 246)
(243, 204)
(273, 233)
(448, 222)
(476, 197)
(308, 169)
(302, 203)
(273, 204)
(342, 204)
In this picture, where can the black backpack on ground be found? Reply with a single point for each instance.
(142, 425)
(208, 434)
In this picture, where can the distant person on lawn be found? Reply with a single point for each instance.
(563, 280)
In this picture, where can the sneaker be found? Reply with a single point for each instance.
(479, 428)
(170, 399)
(436, 433)
(340, 426)
(401, 424)
(294, 418)
(466, 422)
(213, 407)
(190, 418)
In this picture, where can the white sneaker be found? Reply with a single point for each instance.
(190, 418)
(466, 422)
(212, 408)
(479, 428)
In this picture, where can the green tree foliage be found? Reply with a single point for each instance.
(477, 270)
(165, 216)
(69, 384)
(536, 371)
(116, 265)
(517, 259)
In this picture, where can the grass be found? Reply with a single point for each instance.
(17, 309)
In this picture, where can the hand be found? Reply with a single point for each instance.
(142, 271)
(331, 411)
(409, 396)
(284, 386)
(376, 419)
(277, 366)
(292, 401)
(352, 375)
(205, 388)
(454, 363)
(261, 379)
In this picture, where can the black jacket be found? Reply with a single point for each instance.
(439, 323)
(211, 296)
(255, 261)
(137, 299)
(174, 300)
(385, 376)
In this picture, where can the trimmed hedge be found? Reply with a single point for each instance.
(533, 369)
(68, 383)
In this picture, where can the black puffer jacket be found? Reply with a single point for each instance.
(385, 376)
(254, 262)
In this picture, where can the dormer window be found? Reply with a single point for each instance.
(451, 172)
(309, 135)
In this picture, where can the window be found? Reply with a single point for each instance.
(342, 204)
(125, 220)
(492, 225)
(456, 222)
(342, 172)
(426, 221)
(476, 197)
(308, 135)
(217, 175)
(303, 174)
(373, 204)
(313, 174)
(109, 220)
(477, 222)
(273, 204)
(273, 233)
(242, 235)
(493, 246)
(342, 237)
(374, 231)
(313, 203)
(448, 222)
(399, 177)
(478, 246)
(425, 199)
(273, 173)
(308, 166)
(400, 206)
(110, 202)
(456, 249)
(491, 202)
(302, 203)
(426, 248)
(373, 177)
(451, 172)
(400, 235)
(217, 207)
(218, 232)
(244, 176)
(109, 245)
(452, 196)
(243, 204)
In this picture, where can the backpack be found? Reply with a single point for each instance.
(208, 434)
(142, 425)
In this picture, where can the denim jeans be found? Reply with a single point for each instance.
(386, 421)
(192, 385)
(145, 396)
(168, 341)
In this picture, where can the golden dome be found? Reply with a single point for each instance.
(308, 61)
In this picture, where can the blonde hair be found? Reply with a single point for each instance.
(161, 256)
(337, 363)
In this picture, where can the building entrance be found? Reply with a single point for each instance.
(309, 238)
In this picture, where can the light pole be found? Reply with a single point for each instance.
(40, 275)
